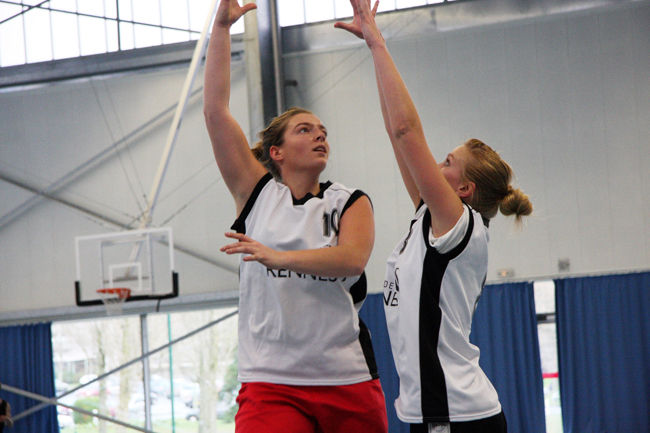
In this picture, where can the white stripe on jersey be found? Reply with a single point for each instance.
(429, 300)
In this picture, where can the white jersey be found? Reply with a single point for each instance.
(431, 290)
(300, 329)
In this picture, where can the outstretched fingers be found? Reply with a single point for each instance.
(363, 20)
(255, 250)
(243, 244)
(229, 11)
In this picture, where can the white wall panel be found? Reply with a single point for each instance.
(639, 24)
(562, 98)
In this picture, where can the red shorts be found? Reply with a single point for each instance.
(271, 408)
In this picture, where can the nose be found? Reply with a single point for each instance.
(320, 136)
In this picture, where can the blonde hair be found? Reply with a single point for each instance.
(492, 176)
(273, 135)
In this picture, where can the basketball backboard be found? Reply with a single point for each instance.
(140, 260)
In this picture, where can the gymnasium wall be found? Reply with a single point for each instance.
(56, 132)
(564, 98)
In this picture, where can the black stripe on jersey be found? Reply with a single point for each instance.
(366, 347)
(359, 289)
(358, 292)
(240, 223)
(357, 194)
(435, 405)
(305, 199)
(419, 428)
(454, 252)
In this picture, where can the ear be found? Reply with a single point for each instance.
(466, 190)
(276, 153)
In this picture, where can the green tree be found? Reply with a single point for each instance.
(228, 393)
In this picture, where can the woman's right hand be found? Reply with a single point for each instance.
(229, 11)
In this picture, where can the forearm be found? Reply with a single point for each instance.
(409, 183)
(398, 108)
(406, 134)
(337, 261)
(216, 89)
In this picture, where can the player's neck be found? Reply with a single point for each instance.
(301, 183)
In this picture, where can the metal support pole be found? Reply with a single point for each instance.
(197, 57)
(253, 76)
(53, 401)
(146, 376)
(270, 60)
(171, 371)
(277, 57)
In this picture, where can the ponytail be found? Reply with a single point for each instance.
(492, 176)
(516, 203)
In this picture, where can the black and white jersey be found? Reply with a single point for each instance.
(431, 290)
(300, 329)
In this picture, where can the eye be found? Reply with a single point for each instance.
(447, 162)
(303, 129)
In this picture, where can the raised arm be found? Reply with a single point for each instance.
(348, 258)
(355, 28)
(409, 183)
(405, 128)
(239, 168)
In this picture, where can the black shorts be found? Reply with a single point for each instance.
(493, 424)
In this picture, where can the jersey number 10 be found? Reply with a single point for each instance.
(331, 222)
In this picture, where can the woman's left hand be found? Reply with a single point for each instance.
(256, 251)
(362, 14)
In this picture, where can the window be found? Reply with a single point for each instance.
(196, 376)
(295, 12)
(545, 306)
(37, 31)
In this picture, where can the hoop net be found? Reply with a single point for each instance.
(114, 298)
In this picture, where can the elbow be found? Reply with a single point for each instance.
(403, 129)
(213, 115)
(357, 269)
(358, 264)
(208, 113)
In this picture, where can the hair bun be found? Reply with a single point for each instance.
(516, 203)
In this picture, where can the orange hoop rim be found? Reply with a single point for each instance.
(120, 292)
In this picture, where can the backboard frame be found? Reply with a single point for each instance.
(109, 270)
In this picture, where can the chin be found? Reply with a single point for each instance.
(321, 167)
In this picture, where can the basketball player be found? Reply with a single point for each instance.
(436, 273)
(305, 358)
(5, 415)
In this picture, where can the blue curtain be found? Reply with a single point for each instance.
(373, 316)
(603, 327)
(26, 363)
(505, 329)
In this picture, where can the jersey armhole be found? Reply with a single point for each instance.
(357, 194)
(455, 251)
(240, 223)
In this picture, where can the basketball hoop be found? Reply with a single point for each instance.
(114, 298)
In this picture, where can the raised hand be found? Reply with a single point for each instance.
(255, 250)
(363, 23)
(229, 11)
